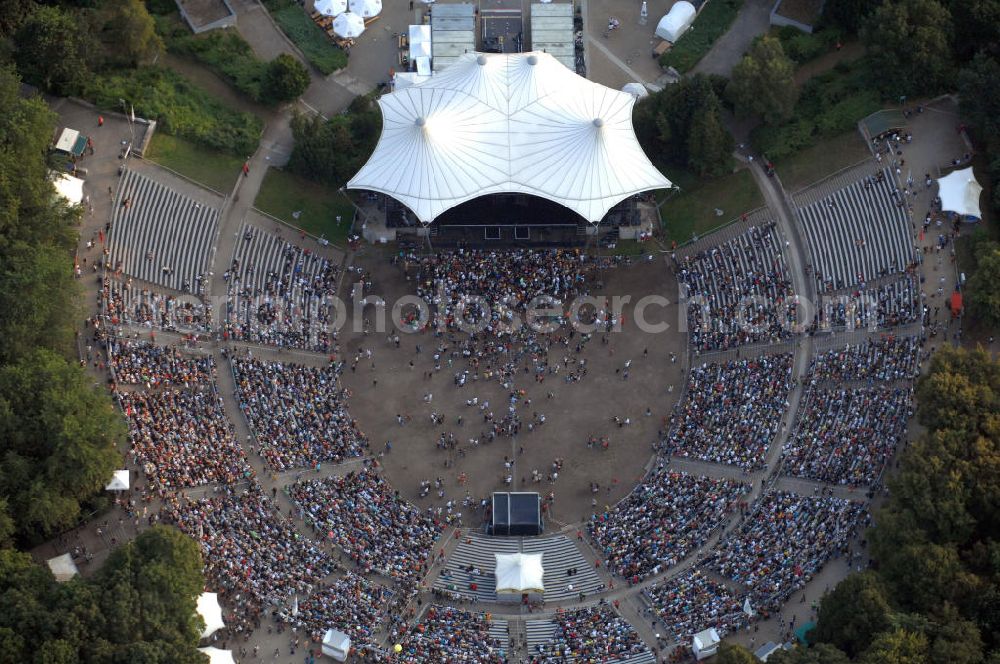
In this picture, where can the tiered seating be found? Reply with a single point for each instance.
(159, 235)
(279, 293)
(351, 605)
(446, 634)
(739, 291)
(593, 634)
(896, 302)
(127, 304)
(560, 556)
(857, 234)
(691, 602)
(787, 539)
(472, 564)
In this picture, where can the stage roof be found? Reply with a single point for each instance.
(508, 123)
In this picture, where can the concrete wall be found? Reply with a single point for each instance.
(224, 22)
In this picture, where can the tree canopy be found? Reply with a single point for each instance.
(910, 45)
(331, 151)
(286, 79)
(763, 82)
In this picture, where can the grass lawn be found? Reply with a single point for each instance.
(820, 159)
(216, 170)
(711, 23)
(283, 193)
(693, 210)
(322, 53)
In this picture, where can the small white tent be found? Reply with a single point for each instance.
(69, 188)
(63, 567)
(211, 613)
(705, 643)
(677, 21)
(638, 90)
(960, 192)
(331, 7)
(119, 481)
(336, 644)
(216, 656)
(518, 574)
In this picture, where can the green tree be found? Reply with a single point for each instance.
(710, 145)
(898, 646)
(763, 82)
(853, 612)
(129, 34)
(977, 26)
(287, 79)
(909, 42)
(983, 287)
(50, 50)
(7, 525)
(848, 14)
(735, 654)
(57, 440)
(821, 653)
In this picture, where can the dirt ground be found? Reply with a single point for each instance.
(575, 411)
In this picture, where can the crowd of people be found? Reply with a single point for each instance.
(664, 519)
(138, 362)
(298, 414)
(182, 438)
(252, 555)
(362, 515)
(738, 292)
(123, 304)
(786, 539)
(886, 358)
(349, 604)
(692, 602)
(593, 634)
(732, 411)
(897, 302)
(280, 294)
(447, 634)
(846, 435)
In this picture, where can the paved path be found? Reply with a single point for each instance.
(753, 20)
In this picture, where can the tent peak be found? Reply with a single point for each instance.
(532, 60)
(598, 122)
(421, 121)
(481, 60)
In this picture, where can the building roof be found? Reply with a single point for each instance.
(508, 123)
(552, 31)
(453, 33)
(519, 573)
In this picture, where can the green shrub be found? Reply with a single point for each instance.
(161, 7)
(713, 21)
(315, 45)
(227, 54)
(179, 107)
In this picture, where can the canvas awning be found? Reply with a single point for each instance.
(676, 22)
(217, 656)
(63, 567)
(519, 573)
(508, 123)
(960, 192)
(336, 644)
(68, 187)
(70, 141)
(119, 481)
(211, 613)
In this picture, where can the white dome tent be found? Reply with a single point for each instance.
(119, 481)
(366, 8)
(960, 192)
(211, 613)
(677, 21)
(331, 7)
(518, 574)
(217, 656)
(508, 123)
(348, 25)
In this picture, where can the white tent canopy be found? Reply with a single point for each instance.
(366, 8)
(705, 643)
(216, 656)
(508, 123)
(960, 192)
(637, 90)
(677, 21)
(69, 188)
(348, 25)
(331, 7)
(211, 613)
(518, 573)
(336, 644)
(119, 481)
(63, 567)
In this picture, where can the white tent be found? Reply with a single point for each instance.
(508, 123)
(959, 192)
(366, 8)
(705, 643)
(677, 21)
(336, 644)
(517, 574)
(119, 481)
(348, 25)
(63, 567)
(331, 7)
(216, 656)
(211, 613)
(637, 90)
(69, 188)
